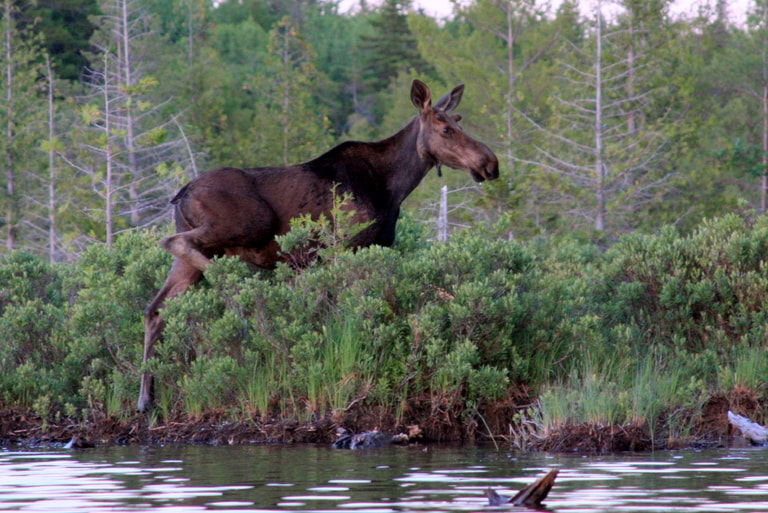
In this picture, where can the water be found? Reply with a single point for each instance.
(317, 478)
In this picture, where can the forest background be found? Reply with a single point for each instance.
(620, 129)
(664, 122)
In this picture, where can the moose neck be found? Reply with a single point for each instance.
(405, 164)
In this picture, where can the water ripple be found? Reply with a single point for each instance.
(269, 479)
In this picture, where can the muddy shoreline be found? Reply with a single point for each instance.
(24, 428)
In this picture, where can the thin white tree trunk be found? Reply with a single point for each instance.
(764, 162)
(511, 78)
(10, 219)
(109, 157)
(600, 167)
(51, 165)
(442, 216)
(125, 64)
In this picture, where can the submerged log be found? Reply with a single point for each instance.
(366, 440)
(374, 439)
(78, 442)
(752, 431)
(531, 496)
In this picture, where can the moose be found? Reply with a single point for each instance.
(239, 212)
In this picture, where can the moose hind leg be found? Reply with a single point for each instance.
(185, 246)
(181, 277)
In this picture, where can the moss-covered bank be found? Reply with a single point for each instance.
(473, 338)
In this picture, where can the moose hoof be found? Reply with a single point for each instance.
(143, 405)
(145, 394)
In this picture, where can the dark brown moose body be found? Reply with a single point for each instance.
(232, 211)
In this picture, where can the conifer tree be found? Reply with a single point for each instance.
(67, 29)
(20, 118)
(391, 49)
(289, 125)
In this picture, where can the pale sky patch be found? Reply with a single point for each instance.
(689, 8)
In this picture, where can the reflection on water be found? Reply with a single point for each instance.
(314, 478)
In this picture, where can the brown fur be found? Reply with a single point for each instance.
(240, 211)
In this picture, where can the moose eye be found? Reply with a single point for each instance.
(447, 130)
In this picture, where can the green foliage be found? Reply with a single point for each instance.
(662, 319)
(110, 288)
(260, 83)
(391, 48)
(705, 289)
(293, 126)
(72, 333)
(24, 277)
(67, 28)
(638, 334)
(209, 384)
(32, 310)
(683, 317)
(744, 157)
(622, 391)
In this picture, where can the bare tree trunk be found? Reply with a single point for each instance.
(51, 165)
(608, 151)
(188, 146)
(442, 216)
(764, 162)
(631, 115)
(286, 120)
(600, 166)
(10, 217)
(109, 157)
(125, 65)
(511, 78)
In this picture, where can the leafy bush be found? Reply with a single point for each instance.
(708, 289)
(79, 327)
(650, 327)
(32, 314)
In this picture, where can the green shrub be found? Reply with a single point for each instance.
(105, 321)
(708, 289)
(25, 277)
(639, 333)
(32, 329)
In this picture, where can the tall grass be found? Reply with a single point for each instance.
(748, 370)
(261, 380)
(347, 363)
(645, 392)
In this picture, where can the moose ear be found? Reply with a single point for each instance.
(420, 95)
(451, 100)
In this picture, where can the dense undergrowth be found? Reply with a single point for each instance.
(514, 339)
